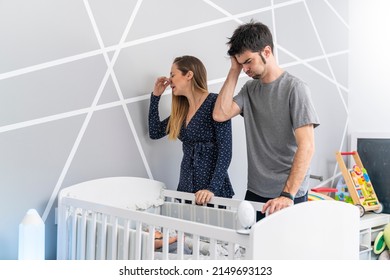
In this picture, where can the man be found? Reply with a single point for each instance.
(279, 119)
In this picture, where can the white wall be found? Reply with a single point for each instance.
(369, 107)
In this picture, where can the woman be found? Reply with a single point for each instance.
(207, 144)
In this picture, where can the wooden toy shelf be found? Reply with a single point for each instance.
(359, 184)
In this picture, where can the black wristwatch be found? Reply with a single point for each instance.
(288, 195)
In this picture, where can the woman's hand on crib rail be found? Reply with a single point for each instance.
(203, 196)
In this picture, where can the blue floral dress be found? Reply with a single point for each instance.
(207, 148)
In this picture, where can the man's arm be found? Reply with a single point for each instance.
(305, 140)
(225, 108)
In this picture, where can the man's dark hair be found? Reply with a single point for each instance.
(252, 36)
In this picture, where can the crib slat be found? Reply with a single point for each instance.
(68, 233)
(91, 237)
(195, 247)
(112, 250)
(206, 215)
(103, 238)
(220, 219)
(62, 236)
(82, 235)
(231, 251)
(165, 248)
(138, 241)
(73, 234)
(180, 245)
(213, 249)
(126, 236)
(180, 210)
(150, 243)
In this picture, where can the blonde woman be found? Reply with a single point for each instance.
(207, 144)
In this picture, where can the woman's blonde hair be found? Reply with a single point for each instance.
(180, 104)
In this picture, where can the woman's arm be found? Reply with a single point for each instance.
(157, 128)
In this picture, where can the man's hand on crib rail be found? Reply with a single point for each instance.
(276, 204)
(203, 196)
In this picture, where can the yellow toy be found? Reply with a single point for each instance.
(359, 184)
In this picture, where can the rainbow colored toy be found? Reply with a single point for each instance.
(359, 185)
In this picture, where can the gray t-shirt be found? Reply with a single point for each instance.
(271, 113)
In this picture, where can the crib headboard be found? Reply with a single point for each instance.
(125, 192)
(319, 230)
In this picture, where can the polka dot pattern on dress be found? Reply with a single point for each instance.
(207, 148)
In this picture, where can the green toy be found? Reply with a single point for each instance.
(381, 242)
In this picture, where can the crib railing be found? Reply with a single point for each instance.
(88, 230)
(219, 211)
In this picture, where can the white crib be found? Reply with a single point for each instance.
(115, 218)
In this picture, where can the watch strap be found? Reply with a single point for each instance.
(288, 195)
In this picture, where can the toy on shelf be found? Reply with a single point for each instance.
(342, 193)
(321, 193)
(360, 188)
(381, 242)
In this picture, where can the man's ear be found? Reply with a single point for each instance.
(267, 51)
